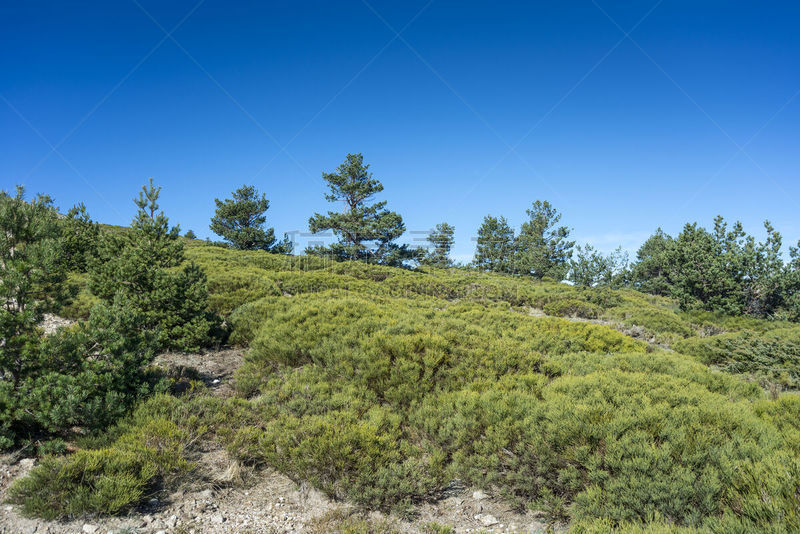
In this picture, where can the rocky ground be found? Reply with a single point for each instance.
(232, 501)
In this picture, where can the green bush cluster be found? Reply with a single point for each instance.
(381, 386)
(108, 480)
(773, 355)
(228, 270)
(662, 323)
(572, 308)
(573, 418)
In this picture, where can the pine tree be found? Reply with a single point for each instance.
(495, 248)
(651, 271)
(441, 242)
(32, 278)
(590, 268)
(190, 234)
(240, 221)
(791, 285)
(366, 230)
(79, 237)
(542, 248)
(141, 269)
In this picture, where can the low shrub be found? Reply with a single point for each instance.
(662, 323)
(341, 521)
(104, 481)
(572, 308)
(611, 444)
(773, 356)
(229, 289)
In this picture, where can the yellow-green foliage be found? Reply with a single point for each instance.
(301, 274)
(381, 386)
(345, 522)
(572, 307)
(661, 322)
(107, 480)
(605, 526)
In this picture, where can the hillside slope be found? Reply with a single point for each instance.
(385, 387)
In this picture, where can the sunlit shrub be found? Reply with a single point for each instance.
(572, 308)
(104, 481)
(774, 355)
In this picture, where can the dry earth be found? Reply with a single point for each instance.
(226, 499)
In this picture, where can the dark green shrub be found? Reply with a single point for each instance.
(85, 376)
(53, 446)
(774, 355)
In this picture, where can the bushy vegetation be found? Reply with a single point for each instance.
(136, 299)
(84, 376)
(772, 355)
(108, 480)
(610, 409)
(724, 270)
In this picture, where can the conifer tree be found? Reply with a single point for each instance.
(591, 268)
(495, 248)
(86, 375)
(79, 237)
(141, 269)
(32, 276)
(366, 230)
(441, 242)
(791, 285)
(651, 272)
(542, 248)
(240, 221)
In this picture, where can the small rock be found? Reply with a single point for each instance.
(90, 529)
(206, 494)
(172, 521)
(161, 532)
(146, 520)
(479, 495)
(218, 518)
(488, 520)
(215, 381)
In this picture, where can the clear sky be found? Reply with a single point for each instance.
(625, 115)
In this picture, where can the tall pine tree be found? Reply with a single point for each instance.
(366, 230)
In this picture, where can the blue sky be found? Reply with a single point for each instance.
(625, 115)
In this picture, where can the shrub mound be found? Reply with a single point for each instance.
(381, 386)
